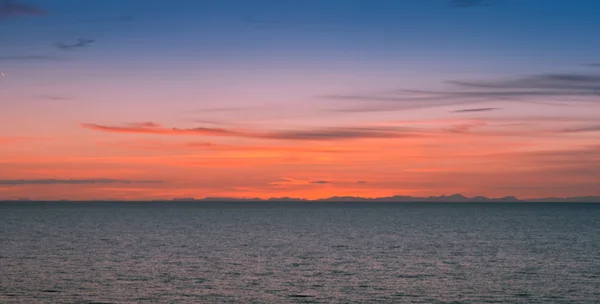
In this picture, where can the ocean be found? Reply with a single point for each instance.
(269, 252)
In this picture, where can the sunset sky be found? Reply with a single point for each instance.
(298, 98)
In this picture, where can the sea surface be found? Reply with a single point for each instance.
(179, 252)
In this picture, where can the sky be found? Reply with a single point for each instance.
(148, 99)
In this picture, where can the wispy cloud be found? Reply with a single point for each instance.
(594, 65)
(11, 8)
(17, 182)
(476, 110)
(81, 42)
(331, 133)
(537, 85)
(573, 87)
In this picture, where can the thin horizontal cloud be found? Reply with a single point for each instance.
(341, 133)
(320, 182)
(147, 124)
(530, 89)
(542, 119)
(593, 128)
(544, 84)
(17, 182)
(408, 100)
(152, 128)
(594, 65)
(81, 42)
(287, 181)
(476, 110)
(11, 8)
(332, 133)
(385, 104)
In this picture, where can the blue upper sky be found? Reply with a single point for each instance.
(504, 35)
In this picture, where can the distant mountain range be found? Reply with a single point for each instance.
(455, 198)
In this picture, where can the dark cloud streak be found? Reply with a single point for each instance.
(319, 134)
(322, 182)
(79, 44)
(340, 133)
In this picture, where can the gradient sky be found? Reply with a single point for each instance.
(299, 98)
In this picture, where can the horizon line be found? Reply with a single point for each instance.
(455, 198)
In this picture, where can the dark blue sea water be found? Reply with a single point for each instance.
(299, 253)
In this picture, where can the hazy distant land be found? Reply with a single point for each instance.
(455, 198)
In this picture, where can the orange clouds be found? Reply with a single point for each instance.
(429, 157)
